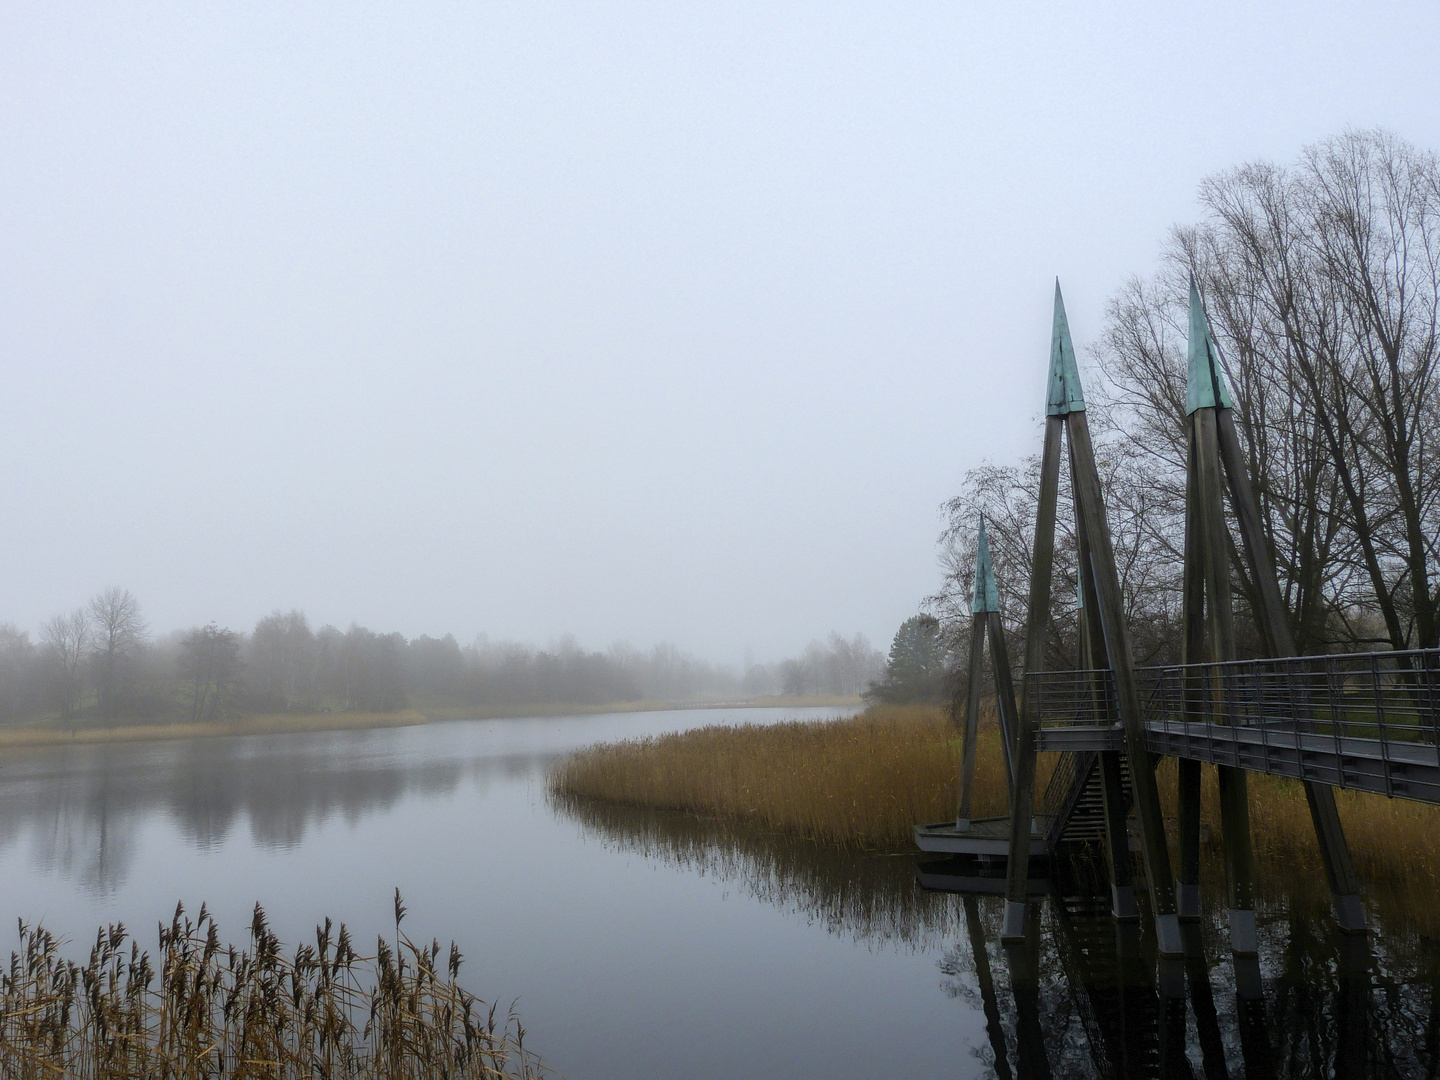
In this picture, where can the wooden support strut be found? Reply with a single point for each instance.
(1022, 804)
(1334, 851)
(1004, 696)
(985, 620)
(1234, 801)
(1192, 649)
(1112, 791)
(972, 720)
(1117, 641)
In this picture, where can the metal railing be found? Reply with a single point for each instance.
(1084, 699)
(1367, 720)
(1074, 698)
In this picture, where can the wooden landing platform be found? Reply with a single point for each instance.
(977, 875)
(985, 836)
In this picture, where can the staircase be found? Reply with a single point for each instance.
(1074, 799)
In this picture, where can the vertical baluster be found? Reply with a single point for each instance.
(1291, 671)
(1431, 667)
(1380, 721)
(1260, 679)
(1334, 689)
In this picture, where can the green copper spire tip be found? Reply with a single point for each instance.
(987, 597)
(1204, 380)
(1065, 396)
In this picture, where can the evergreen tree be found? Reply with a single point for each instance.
(917, 665)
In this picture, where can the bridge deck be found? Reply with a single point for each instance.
(1367, 721)
(1405, 770)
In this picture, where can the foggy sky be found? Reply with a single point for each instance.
(643, 321)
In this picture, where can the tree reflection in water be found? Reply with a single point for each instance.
(1088, 997)
(83, 806)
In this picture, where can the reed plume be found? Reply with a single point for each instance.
(203, 1009)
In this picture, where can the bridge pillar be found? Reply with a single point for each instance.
(1187, 875)
(1209, 614)
(1127, 689)
(1022, 807)
(1065, 414)
(985, 621)
(972, 721)
(1271, 613)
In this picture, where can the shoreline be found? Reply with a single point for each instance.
(53, 734)
(862, 784)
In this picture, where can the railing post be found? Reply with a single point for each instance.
(1431, 668)
(1380, 722)
(1288, 666)
(1335, 721)
(1259, 681)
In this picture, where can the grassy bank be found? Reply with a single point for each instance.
(66, 735)
(57, 732)
(864, 783)
(202, 1008)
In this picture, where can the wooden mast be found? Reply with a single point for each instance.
(1065, 409)
(985, 618)
(1275, 629)
(1208, 614)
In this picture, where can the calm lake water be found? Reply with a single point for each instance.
(656, 945)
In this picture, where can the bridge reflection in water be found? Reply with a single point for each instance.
(1085, 995)
(1088, 996)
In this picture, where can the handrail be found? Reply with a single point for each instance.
(1319, 718)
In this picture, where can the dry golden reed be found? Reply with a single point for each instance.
(865, 782)
(858, 783)
(1392, 841)
(202, 1009)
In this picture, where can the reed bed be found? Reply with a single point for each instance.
(860, 783)
(201, 1009)
(1393, 841)
(863, 783)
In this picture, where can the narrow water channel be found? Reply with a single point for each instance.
(638, 944)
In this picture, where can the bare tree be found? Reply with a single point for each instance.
(282, 661)
(118, 631)
(210, 666)
(1322, 280)
(66, 640)
(1146, 519)
(20, 690)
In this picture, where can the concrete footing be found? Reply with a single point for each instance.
(1167, 936)
(1122, 899)
(1349, 914)
(1014, 926)
(1244, 938)
(1187, 900)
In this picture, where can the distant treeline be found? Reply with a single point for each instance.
(100, 663)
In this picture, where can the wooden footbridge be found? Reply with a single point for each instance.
(1366, 721)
